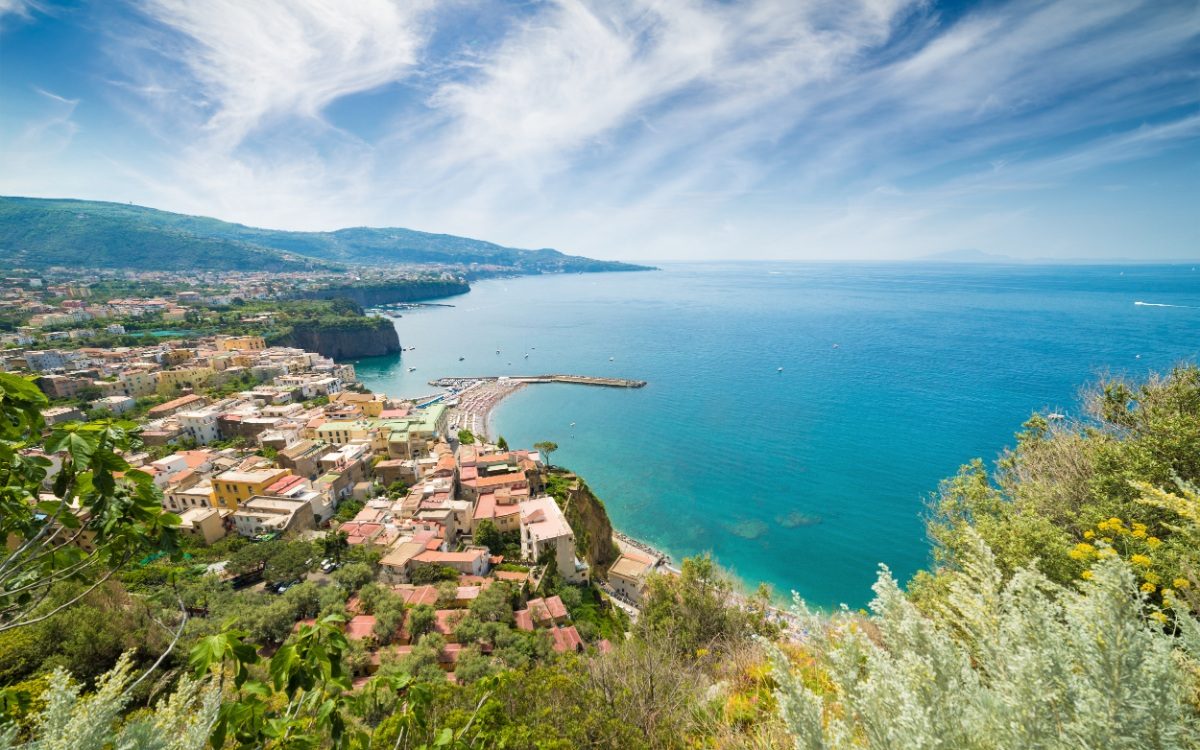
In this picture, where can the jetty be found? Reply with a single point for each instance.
(463, 382)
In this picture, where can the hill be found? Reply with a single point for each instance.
(37, 232)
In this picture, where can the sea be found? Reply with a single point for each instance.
(797, 417)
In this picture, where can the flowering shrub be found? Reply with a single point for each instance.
(1017, 664)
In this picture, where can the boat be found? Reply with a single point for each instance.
(610, 359)
(460, 359)
(412, 369)
(779, 370)
(526, 356)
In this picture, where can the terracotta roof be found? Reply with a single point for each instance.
(524, 620)
(546, 610)
(414, 595)
(448, 619)
(360, 626)
(441, 557)
(566, 639)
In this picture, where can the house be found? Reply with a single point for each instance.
(190, 401)
(232, 487)
(627, 575)
(114, 404)
(60, 414)
(545, 528)
(472, 561)
(303, 458)
(205, 524)
(266, 515)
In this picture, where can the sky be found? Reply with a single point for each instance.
(627, 129)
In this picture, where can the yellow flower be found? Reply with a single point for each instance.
(1159, 617)
(1149, 588)
(1107, 552)
(1153, 541)
(1142, 560)
(1139, 533)
(1151, 576)
(1089, 534)
(1082, 551)
(1139, 527)
(1086, 575)
(1181, 583)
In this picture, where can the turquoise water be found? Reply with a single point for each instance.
(810, 477)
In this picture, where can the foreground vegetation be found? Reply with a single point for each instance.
(1060, 613)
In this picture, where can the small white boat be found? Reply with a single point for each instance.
(779, 370)
(460, 359)
(610, 359)
(526, 356)
(572, 424)
(412, 369)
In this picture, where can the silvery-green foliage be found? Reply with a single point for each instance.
(1004, 665)
(72, 721)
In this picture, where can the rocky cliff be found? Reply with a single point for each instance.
(370, 337)
(369, 295)
(588, 518)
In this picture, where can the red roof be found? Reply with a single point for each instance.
(566, 639)
(468, 472)
(360, 626)
(417, 595)
(524, 620)
(284, 484)
(448, 619)
(546, 610)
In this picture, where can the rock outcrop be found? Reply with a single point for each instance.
(372, 337)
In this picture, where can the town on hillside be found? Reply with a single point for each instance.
(270, 444)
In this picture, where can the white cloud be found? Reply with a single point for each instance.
(269, 59)
(626, 127)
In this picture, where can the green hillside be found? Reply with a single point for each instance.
(38, 232)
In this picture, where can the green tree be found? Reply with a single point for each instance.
(546, 448)
(353, 576)
(487, 535)
(494, 604)
(389, 616)
(501, 443)
(97, 497)
(466, 437)
(421, 620)
(428, 573)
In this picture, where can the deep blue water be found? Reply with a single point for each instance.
(805, 479)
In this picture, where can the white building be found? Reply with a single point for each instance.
(543, 526)
(200, 424)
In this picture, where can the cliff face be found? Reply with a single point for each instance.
(588, 518)
(386, 294)
(347, 341)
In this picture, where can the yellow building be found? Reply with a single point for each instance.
(178, 378)
(233, 487)
(236, 343)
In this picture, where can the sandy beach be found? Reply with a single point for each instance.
(473, 404)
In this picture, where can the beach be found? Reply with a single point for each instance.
(472, 402)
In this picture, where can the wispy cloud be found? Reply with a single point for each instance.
(652, 126)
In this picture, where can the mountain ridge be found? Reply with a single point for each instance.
(42, 232)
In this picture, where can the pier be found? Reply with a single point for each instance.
(526, 379)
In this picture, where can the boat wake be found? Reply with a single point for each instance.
(1139, 303)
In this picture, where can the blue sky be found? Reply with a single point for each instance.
(635, 129)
